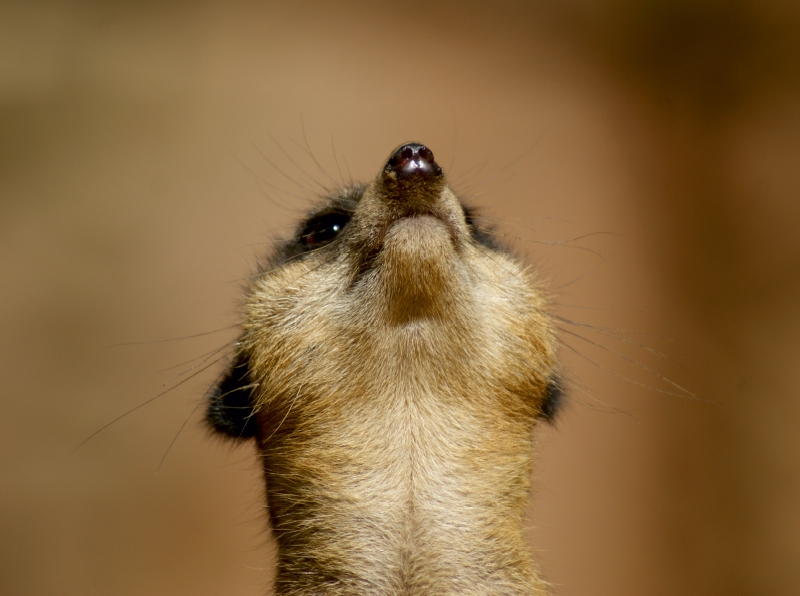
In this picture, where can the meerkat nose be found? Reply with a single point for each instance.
(413, 159)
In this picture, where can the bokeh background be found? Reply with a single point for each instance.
(642, 155)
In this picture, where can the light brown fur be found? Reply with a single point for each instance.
(397, 376)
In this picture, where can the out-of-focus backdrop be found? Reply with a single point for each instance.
(642, 155)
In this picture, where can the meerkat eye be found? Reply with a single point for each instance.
(323, 229)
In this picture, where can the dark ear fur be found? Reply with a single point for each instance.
(230, 407)
(551, 402)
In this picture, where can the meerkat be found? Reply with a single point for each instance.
(393, 363)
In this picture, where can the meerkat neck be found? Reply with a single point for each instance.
(425, 499)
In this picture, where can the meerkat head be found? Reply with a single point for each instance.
(393, 362)
(387, 261)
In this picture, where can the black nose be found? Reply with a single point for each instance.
(413, 159)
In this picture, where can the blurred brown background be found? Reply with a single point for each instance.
(644, 156)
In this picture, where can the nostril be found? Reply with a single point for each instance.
(413, 159)
(425, 153)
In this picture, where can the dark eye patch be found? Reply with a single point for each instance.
(323, 229)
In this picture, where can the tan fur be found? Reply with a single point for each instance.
(399, 374)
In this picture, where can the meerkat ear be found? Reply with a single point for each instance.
(551, 402)
(231, 405)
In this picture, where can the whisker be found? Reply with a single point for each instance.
(575, 280)
(511, 163)
(171, 339)
(291, 259)
(143, 404)
(206, 355)
(175, 438)
(311, 179)
(557, 243)
(280, 171)
(451, 165)
(260, 181)
(338, 169)
(614, 334)
(686, 394)
(606, 407)
(308, 152)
